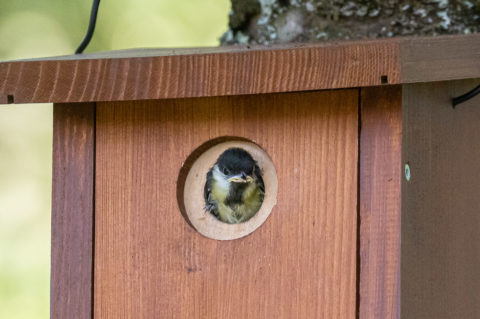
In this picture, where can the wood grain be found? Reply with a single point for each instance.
(192, 73)
(440, 219)
(72, 211)
(440, 59)
(199, 72)
(301, 263)
(380, 202)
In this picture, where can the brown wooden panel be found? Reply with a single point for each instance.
(196, 73)
(441, 203)
(72, 210)
(440, 58)
(149, 263)
(380, 202)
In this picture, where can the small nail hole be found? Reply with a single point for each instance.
(384, 79)
(10, 99)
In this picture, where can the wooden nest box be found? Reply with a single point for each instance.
(377, 207)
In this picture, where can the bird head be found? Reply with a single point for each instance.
(236, 166)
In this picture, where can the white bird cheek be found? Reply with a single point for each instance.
(220, 179)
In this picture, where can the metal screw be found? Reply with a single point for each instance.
(407, 172)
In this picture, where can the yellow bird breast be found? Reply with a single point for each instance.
(251, 202)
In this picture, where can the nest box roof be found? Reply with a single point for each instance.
(182, 73)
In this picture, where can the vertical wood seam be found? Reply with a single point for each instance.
(358, 260)
(92, 301)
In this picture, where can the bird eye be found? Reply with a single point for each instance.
(226, 171)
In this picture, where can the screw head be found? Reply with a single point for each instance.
(407, 172)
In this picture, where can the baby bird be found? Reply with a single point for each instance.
(234, 190)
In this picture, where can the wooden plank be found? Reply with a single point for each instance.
(72, 211)
(440, 59)
(380, 202)
(300, 264)
(440, 219)
(199, 72)
(194, 73)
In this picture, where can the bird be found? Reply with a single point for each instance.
(234, 189)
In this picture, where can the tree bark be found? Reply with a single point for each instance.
(279, 21)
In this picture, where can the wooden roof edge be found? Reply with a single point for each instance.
(196, 72)
(232, 49)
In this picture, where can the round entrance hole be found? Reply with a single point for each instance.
(194, 199)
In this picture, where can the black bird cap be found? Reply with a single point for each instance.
(235, 161)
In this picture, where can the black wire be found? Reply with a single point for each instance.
(91, 27)
(465, 97)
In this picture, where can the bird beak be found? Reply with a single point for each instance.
(240, 178)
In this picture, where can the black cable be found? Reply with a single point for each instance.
(91, 27)
(465, 97)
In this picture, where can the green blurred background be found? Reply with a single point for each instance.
(35, 28)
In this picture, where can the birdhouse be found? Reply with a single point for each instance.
(366, 179)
